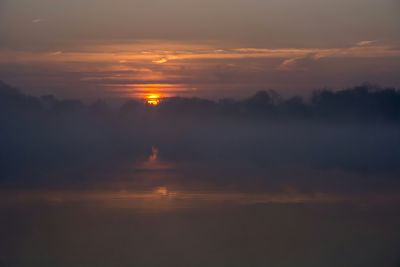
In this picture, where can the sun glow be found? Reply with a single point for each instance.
(153, 99)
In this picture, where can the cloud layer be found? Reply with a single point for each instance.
(211, 69)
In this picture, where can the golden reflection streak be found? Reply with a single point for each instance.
(162, 197)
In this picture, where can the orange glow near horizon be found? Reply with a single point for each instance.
(151, 91)
(153, 99)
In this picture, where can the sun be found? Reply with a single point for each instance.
(153, 99)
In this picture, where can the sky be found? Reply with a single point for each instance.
(209, 48)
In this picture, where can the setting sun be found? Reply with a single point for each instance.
(153, 99)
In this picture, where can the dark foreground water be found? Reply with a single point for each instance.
(212, 234)
(154, 213)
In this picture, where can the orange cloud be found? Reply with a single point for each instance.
(160, 61)
(124, 53)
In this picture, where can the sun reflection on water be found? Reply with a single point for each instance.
(154, 154)
(162, 191)
(153, 163)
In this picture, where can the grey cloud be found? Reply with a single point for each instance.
(299, 64)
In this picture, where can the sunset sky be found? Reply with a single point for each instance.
(191, 133)
(209, 48)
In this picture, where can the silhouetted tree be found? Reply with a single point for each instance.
(262, 103)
